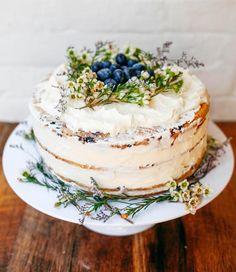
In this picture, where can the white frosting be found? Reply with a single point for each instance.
(161, 162)
(165, 109)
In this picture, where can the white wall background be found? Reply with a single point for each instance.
(35, 34)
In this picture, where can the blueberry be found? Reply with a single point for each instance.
(121, 59)
(110, 82)
(137, 73)
(131, 62)
(118, 76)
(113, 67)
(96, 66)
(138, 66)
(104, 74)
(132, 72)
(106, 64)
(127, 73)
(151, 72)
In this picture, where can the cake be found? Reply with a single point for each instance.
(129, 120)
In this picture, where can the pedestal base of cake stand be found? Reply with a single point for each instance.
(118, 230)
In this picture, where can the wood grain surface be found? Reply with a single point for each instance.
(32, 241)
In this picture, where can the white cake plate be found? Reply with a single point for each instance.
(14, 162)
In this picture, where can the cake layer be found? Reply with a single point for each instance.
(130, 179)
(103, 155)
(155, 163)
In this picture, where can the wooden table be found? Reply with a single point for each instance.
(32, 241)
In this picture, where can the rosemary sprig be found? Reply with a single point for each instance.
(144, 203)
(103, 51)
(27, 135)
(76, 62)
(87, 203)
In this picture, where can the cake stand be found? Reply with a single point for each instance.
(15, 160)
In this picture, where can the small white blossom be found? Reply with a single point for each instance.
(142, 89)
(71, 85)
(197, 189)
(176, 196)
(152, 87)
(134, 79)
(183, 185)
(192, 204)
(172, 185)
(98, 85)
(145, 75)
(206, 191)
(185, 195)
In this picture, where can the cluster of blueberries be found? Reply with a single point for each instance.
(119, 72)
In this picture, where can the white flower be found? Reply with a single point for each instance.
(183, 185)
(185, 195)
(80, 80)
(206, 191)
(191, 206)
(71, 85)
(172, 185)
(89, 75)
(85, 57)
(176, 196)
(98, 85)
(145, 75)
(152, 87)
(197, 189)
(84, 77)
(134, 79)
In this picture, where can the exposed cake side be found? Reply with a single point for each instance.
(136, 168)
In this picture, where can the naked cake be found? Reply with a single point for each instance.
(130, 120)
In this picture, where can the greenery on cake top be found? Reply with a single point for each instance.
(107, 75)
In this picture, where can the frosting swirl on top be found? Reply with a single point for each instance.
(164, 110)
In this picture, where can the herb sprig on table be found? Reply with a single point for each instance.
(98, 205)
(105, 76)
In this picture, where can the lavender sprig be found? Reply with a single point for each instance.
(184, 61)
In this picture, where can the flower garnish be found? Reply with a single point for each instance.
(184, 185)
(106, 75)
